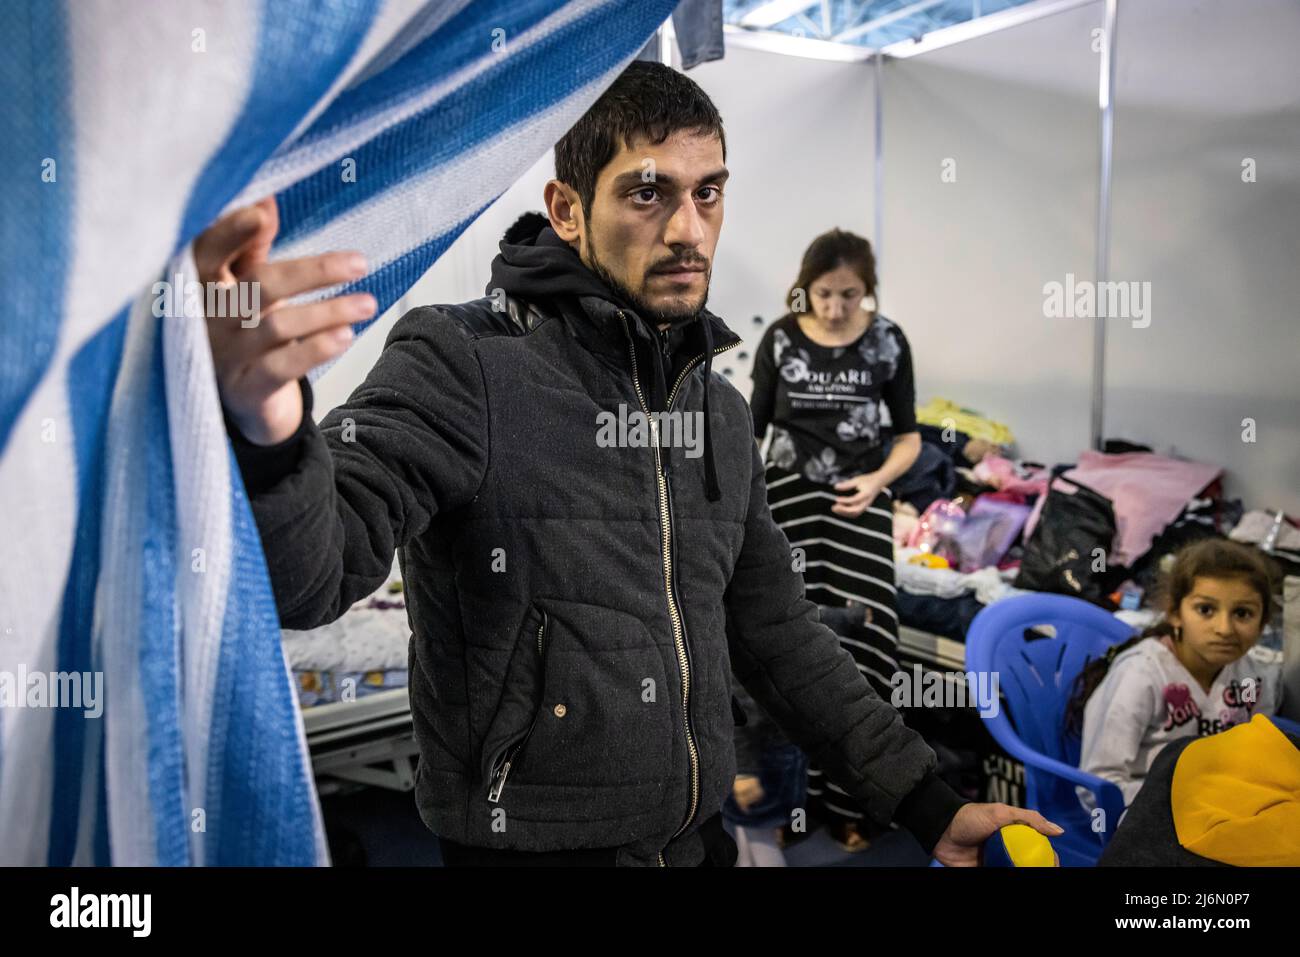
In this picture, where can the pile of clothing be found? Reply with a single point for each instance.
(972, 525)
(1098, 524)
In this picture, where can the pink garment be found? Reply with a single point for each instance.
(1015, 498)
(1148, 491)
(1002, 474)
(990, 528)
(904, 524)
(937, 530)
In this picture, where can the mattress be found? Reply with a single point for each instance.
(362, 653)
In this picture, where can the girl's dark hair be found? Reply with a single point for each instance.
(648, 100)
(828, 252)
(1208, 558)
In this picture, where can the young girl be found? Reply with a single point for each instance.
(1188, 676)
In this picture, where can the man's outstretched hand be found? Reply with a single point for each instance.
(258, 360)
(976, 823)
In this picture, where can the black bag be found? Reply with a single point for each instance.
(1059, 555)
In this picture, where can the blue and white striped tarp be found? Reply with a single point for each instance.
(128, 546)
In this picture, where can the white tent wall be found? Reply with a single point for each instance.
(1201, 87)
(801, 151)
(1013, 115)
(459, 275)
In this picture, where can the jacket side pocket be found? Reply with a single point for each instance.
(521, 700)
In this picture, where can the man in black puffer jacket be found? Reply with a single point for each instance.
(582, 574)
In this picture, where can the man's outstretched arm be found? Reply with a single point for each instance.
(332, 502)
(794, 666)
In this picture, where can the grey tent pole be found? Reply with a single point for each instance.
(879, 211)
(1106, 104)
(666, 35)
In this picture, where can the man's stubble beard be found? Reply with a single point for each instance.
(655, 317)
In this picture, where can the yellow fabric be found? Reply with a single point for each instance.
(944, 413)
(1236, 796)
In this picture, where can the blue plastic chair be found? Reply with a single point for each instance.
(1036, 674)
(1286, 725)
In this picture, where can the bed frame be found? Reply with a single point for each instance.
(369, 741)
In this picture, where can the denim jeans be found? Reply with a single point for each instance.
(784, 779)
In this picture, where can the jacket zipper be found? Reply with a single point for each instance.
(501, 767)
(672, 394)
(674, 612)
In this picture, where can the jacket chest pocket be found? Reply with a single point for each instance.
(585, 704)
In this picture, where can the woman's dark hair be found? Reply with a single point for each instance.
(1208, 558)
(828, 252)
(648, 100)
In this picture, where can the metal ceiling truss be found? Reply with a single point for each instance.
(860, 22)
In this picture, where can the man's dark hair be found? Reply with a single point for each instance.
(650, 100)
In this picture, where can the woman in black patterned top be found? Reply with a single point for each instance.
(834, 380)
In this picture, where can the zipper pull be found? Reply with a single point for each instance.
(499, 782)
(665, 464)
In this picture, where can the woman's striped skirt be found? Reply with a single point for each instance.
(847, 562)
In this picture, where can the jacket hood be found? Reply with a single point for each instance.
(537, 265)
